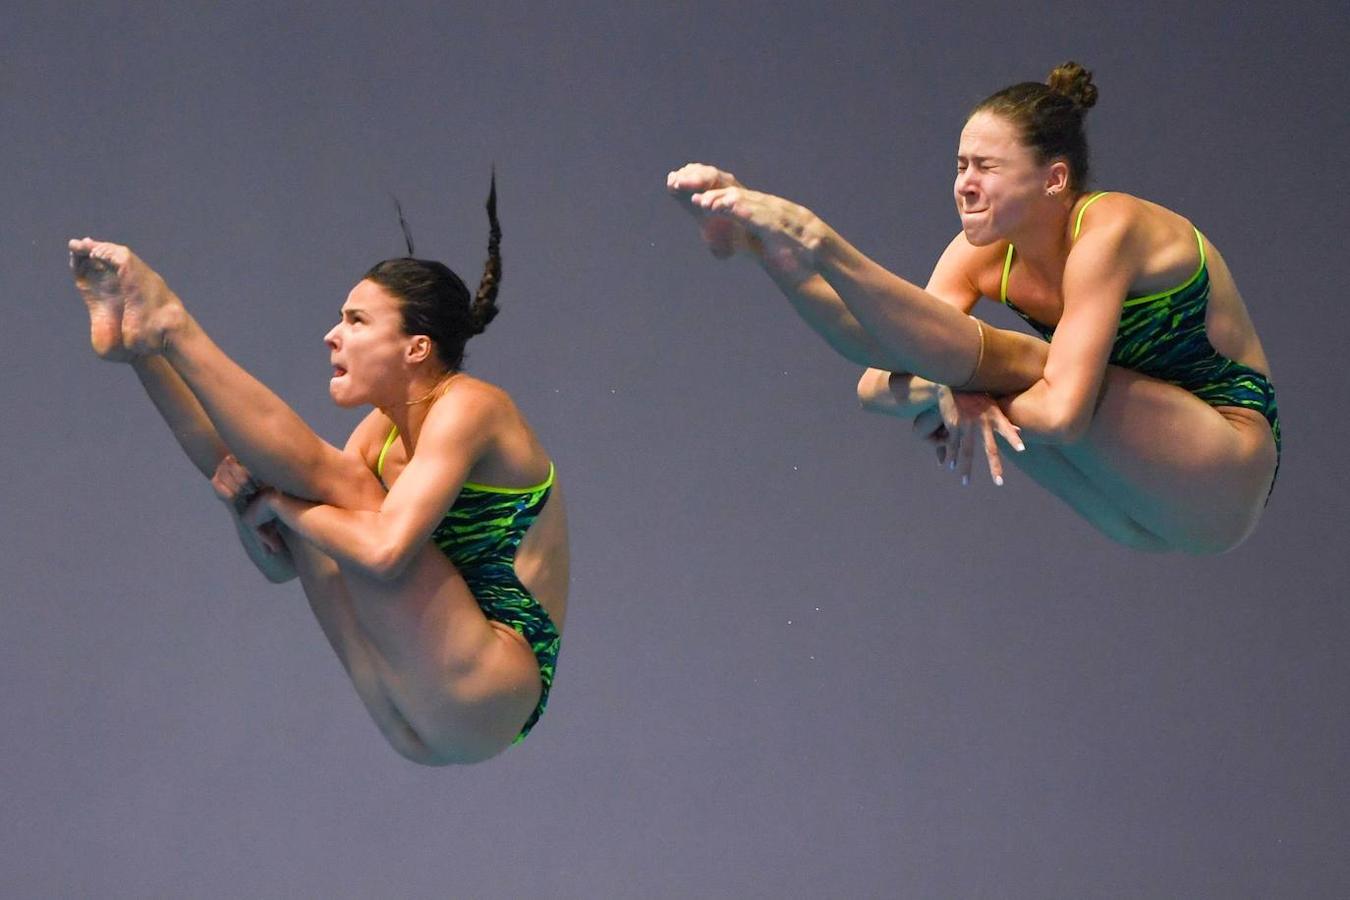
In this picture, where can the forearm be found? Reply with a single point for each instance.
(896, 393)
(1043, 416)
(921, 333)
(355, 538)
(181, 412)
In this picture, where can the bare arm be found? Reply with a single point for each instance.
(1059, 406)
(381, 543)
(265, 545)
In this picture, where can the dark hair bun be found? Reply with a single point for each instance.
(1074, 82)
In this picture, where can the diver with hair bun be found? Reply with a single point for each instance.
(432, 547)
(1146, 405)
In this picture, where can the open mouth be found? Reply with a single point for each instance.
(338, 371)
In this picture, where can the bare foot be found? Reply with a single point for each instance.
(131, 309)
(724, 237)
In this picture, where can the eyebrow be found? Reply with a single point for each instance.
(977, 158)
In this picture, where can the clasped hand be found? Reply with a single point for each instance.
(960, 420)
(248, 499)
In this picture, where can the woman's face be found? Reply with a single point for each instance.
(368, 348)
(998, 181)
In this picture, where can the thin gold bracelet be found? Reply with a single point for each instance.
(979, 326)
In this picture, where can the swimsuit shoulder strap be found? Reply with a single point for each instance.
(384, 451)
(1003, 282)
(1195, 276)
(1078, 223)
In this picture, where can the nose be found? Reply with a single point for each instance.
(330, 339)
(965, 181)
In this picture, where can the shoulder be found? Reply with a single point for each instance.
(468, 395)
(368, 437)
(470, 408)
(1140, 234)
(1119, 213)
(1112, 223)
(964, 271)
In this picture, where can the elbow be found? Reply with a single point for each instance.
(389, 562)
(1049, 413)
(872, 386)
(1065, 425)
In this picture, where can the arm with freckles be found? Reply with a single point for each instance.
(1058, 407)
(382, 542)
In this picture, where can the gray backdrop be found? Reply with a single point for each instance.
(801, 660)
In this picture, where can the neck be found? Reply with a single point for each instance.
(409, 415)
(1044, 243)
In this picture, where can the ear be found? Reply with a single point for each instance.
(1057, 178)
(419, 349)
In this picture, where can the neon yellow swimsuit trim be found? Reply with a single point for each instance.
(1077, 227)
(472, 485)
(1078, 223)
(480, 534)
(1163, 335)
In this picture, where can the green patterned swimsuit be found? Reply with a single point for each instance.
(480, 534)
(1163, 335)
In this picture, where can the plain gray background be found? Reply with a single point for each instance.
(800, 660)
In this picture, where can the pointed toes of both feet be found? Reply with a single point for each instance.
(104, 251)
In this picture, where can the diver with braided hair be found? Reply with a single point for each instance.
(1146, 404)
(432, 547)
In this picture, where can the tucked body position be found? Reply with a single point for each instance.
(1145, 403)
(432, 547)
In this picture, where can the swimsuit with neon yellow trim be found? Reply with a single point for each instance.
(1163, 335)
(479, 534)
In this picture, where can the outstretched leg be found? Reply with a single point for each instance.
(127, 298)
(443, 683)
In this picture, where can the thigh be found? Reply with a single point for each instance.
(466, 684)
(1192, 474)
(1049, 468)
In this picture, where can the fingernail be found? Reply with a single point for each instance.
(998, 480)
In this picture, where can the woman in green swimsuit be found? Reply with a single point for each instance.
(1147, 407)
(432, 547)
